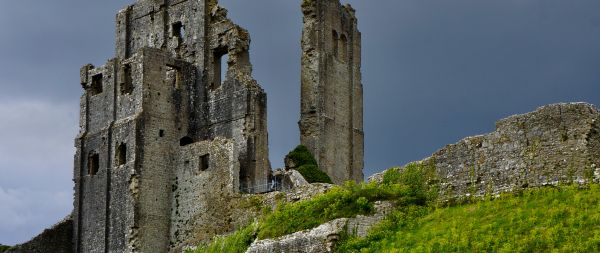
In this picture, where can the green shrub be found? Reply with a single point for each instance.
(313, 174)
(307, 165)
(419, 178)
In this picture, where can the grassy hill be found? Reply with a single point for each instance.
(552, 219)
(564, 219)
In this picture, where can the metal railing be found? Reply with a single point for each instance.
(261, 187)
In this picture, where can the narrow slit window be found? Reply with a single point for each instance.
(204, 162)
(96, 85)
(93, 163)
(121, 156)
(220, 67)
(126, 85)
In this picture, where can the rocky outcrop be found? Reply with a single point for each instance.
(323, 238)
(556, 143)
(56, 239)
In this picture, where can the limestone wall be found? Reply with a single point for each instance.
(557, 143)
(331, 123)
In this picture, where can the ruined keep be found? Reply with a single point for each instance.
(160, 133)
(171, 135)
(331, 122)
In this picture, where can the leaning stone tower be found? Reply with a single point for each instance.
(161, 133)
(331, 123)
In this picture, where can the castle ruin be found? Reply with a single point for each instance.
(160, 131)
(331, 123)
(169, 139)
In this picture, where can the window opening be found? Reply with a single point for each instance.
(343, 48)
(121, 156)
(126, 86)
(220, 67)
(174, 76)
(185, 141)
(161, 133)
(204, 162)
(93, 163)
(96, 87)
(334, 42)
(178, 30)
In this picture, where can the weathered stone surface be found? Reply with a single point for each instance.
(556, 143)
(56, 239)
(289, 179)
(164, 143)
(324, 237)
(331, 123)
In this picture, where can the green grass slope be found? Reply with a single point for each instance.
(564, 219)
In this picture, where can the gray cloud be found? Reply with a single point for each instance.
(434, 71)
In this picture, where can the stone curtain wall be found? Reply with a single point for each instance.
(556, 143)
(56, 239)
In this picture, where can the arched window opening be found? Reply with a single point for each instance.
(121, 154)
(185, 141)
(93, 163)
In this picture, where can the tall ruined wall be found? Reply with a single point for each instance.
(331, 123)
(150, 111)
(557, 143)
(124, 150)
(200, 33)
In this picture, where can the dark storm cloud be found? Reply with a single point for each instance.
(433, 73)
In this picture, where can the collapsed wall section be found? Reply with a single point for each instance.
(237, 105)
(331, 123)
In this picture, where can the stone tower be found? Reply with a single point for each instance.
(331, 123)
(161, 134)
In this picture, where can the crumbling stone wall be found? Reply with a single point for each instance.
(56, 239)
(331, 123)
(557, 143)
(159, 101)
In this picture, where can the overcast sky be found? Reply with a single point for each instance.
(434, 72)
